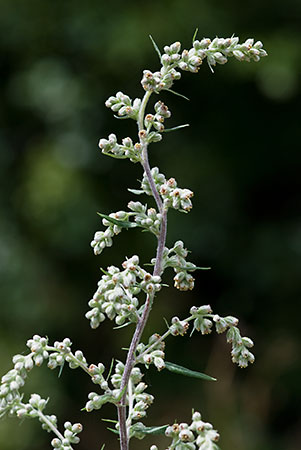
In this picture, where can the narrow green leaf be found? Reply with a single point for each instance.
(120, 117)
(120, 223)
(114, 156)
(136, 191)
(104, 271)
(167, 130)
(121, 394)
(155, 430)
(109, 420)
(187, 372)
(61, 370)
(110, 369)
(166, 323)
(113, 430)
(211, 68)
(177, 93)
(122, 326)
(155, 46)
(103, 446)
(194, 36)
(195, 268)
(193, 330)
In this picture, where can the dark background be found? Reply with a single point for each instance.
(60, 60)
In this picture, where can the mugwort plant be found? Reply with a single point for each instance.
(126, 294)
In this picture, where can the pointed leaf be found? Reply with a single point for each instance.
(119, 223)
(187, 372)
(103, 446)
(136, 191)
(167, 130)
(109, 420)
(122, 326)
(155, 430)
(121, 394)
(121, 117)
(114, 156)
(155, 46)
(177, 93)
(110, 369)
(61, 370)
(194, 36)
(113, 430)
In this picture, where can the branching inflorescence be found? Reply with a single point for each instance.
(126, 295)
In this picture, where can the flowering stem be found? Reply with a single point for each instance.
(44, 419)
(162, 338)
(130, 361)
(74, 358)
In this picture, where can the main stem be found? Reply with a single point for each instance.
(130, 360)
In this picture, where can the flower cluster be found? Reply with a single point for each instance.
(124, 106)
(146, 218)
(117, 290)
(14, 380)
(176, 258)
(155, 355)
(103, 239)
(175, 197)
(159, 80)
(199, 435)
(204, 320)
(172, 195)
(158, 178)
(110, 147)
(34, 409)
(216, 51)
(70, 436)
(178, 327)
(157, 120)
(137, 399)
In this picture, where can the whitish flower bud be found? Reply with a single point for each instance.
(136, 207)
(231, 321)
(248, 44)
(247, 342)
(165, 59)
(220, 323)
(205, 43)
(239, 55)
(159, 363)
(186, 436)
(220, 58)
(183, 65)
(56, 443)
(127, 142)
(196, 416)
(175, 47)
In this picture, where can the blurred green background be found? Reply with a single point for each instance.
(60, 60)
